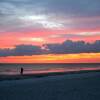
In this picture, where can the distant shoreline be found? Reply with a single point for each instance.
(27, 76)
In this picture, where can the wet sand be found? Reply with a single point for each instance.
(77, 86)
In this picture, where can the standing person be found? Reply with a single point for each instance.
(21, 71)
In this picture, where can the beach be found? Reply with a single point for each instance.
(77, 86)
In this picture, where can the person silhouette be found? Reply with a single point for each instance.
(21, 71)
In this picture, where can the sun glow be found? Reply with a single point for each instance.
(32, 39)
(54, 58)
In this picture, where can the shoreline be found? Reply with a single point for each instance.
(40, 75)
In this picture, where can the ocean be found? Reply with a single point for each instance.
(14, 69)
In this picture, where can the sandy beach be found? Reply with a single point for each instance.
(84, 86)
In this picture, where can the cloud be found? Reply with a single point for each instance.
(21, 50)
(74, 8)
(32, 39)
(23, 15)
(75, 35)
(67, 47)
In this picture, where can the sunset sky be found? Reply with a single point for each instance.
(49, 31)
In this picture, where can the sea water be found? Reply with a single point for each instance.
(13, 69)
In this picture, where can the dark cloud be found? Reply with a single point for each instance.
(21, 50)
(67, 47)
(75, 7)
